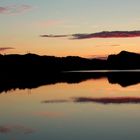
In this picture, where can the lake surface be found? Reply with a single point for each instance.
(104, 71)
(93, 109)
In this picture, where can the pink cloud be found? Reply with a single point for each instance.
(104, 34)
(103, 100)
(107, 100)
(6, 48)
(15, 9)
(55, 101)
(108, 34)
(17, 128)
(5, 129)
(54, 36)
(3, 10)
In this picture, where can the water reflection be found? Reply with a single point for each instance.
(122, 78)
(92, 106)
(5, 129)
(105, 100)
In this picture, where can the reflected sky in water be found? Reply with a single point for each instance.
(51, 112)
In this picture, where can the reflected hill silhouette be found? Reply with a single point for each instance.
(103, 100)
(121, 78)
(124, 78)
(31, 70)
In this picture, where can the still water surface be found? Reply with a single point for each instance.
(90, 110)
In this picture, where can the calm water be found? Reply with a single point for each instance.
(92, 109)
(105, 71)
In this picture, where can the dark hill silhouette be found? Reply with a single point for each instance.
(124, 60)
(31, 64)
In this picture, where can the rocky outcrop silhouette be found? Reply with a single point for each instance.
(124, 60)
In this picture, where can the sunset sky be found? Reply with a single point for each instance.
(23, 22)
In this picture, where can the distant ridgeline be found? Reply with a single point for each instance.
(32, 64)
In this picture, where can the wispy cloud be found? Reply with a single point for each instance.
(17, 128)
(54, 36)
(6, 48)
(104, 100)
(3, 10)
(104, 34)
(55, 101)
(5, 129)
(107, 100)
(15, 9)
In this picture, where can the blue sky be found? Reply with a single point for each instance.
(106, 14)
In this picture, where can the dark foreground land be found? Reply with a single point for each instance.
(31, 71)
